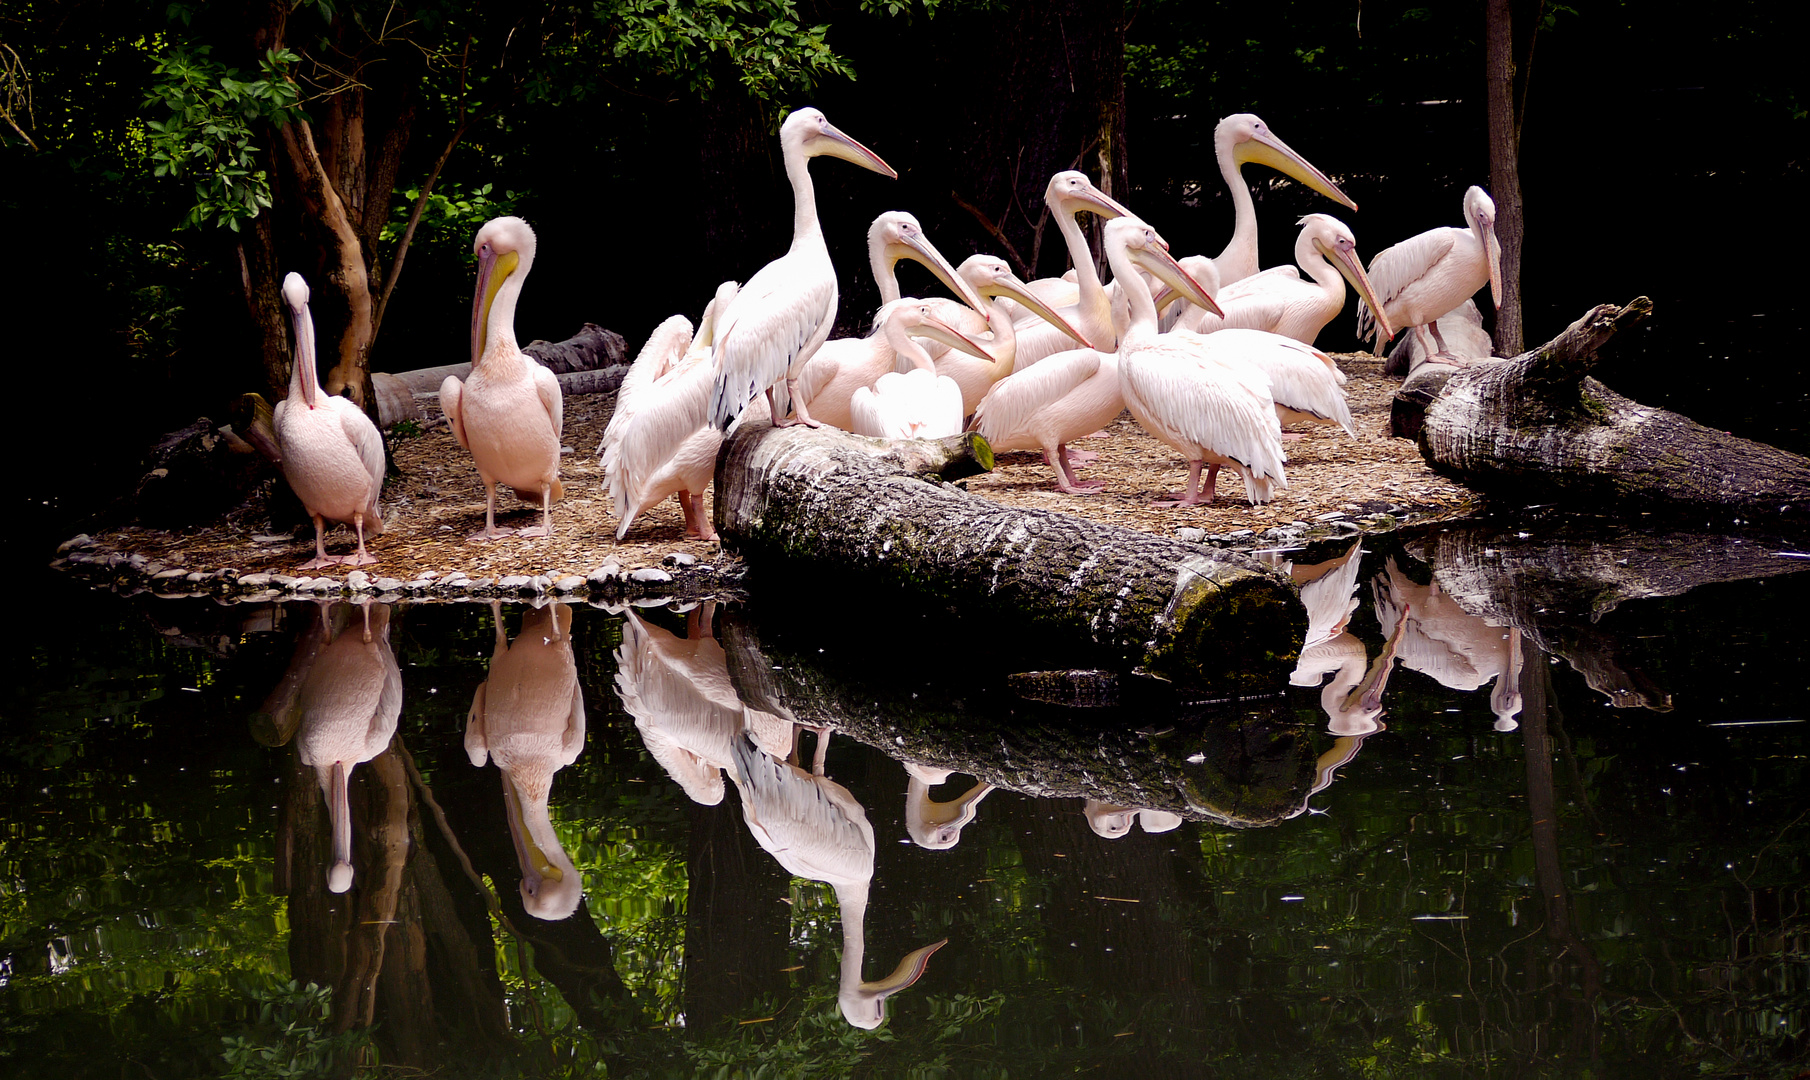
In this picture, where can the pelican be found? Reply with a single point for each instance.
(1304, 382)
(1068, 194)
(1460, 328)
(915, 404)
(842, 369)
(342, 699)
(1283, 303)
(784, 312)
(1046, 406)
(528, 717)
(332, 455)
(937, 826)
(815, 829)
(1112, 821)
(1426, 276)
(1244, 138)
(508, 412)
(896, 235)
(1180, 388)
(992, 278)
(679, 692)
(659, 441)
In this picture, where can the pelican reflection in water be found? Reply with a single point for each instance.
(340, 699)
(1113, 821)
(931, 824)
(1457, 649)
(528, 717)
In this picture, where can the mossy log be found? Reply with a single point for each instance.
(835, 514)
(591, 361)
(1538, 428)
(1239, 763)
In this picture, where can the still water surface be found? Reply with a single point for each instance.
(1545, 831)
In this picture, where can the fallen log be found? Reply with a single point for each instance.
(854, 516)
(591, 353)
(1538, 428)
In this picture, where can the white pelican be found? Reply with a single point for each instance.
(1244, 138)
(937, 826)
(1425, 276)
(508, 412)
(528, 717)
(1283, 303)
(1461, 329)
(660, 441)
(844, 368)
(1304, 382)
(343, 701)
(991, 277)
(1047, 405)
(815, 829)
(897, 235)
(919, 403)
(784, 312)
(1180, 389)
(1068, 194)
(332, 454)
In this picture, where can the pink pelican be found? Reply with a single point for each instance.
(844, 368)
(332, 454)
(1047, 405)
(341, 697)
(815, 829)
(896, 235)
(1283, 303)
(918, 403)
(679, 692)
(508, 412)
(784, 313)
(528, 717)
(1426, 276)
(992, 278)
(1244, 138)
(1069, 193)
(1180, 388)
(660, 441)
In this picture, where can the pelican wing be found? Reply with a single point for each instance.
(477, 743)
(667, 413)
(1301, 377)
(451, 392)
(810, 824)
(1009, 406)
(1204, 400)
(662, 352)
(546, 384)
(782, 310)
(1395, 269)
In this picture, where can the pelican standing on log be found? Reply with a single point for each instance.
(785, 311)
(508, 412)
(1426, 276)
(332, 454)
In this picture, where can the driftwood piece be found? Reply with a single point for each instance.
(593, 352)
(1538, 428)
(1244, 763)
(841, 515)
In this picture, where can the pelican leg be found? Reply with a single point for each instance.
(822, 749)
(545, 528)
(801, 414)
(365, 609)
(1189, 497)
(696, 525)
(321, 558)
(491, 532)
(361, 557)
(1065, 473)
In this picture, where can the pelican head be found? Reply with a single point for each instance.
(551, 885)
(897, 235)
(1480, 213)
(505, 251)
(864, 1004)
(1334, 241)
(1071, 192)
(915, 318)
(302, 376)
(937, 826)
(1150, 254)
(1244, 137)
(992, 276)
(814, 136)
(1108, 820)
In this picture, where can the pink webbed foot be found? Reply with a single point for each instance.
(534, 532)
(322, 561)
(490, 534)
(1081, 487)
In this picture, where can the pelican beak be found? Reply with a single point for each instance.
(918, 248)
(536, 867)
(1368, 694)
(910, 970)
(1014, 289)
(938, 330)
(1266, 149)
(1097, 202)
(304, 351)
(1160, 264)
(493, 270)
(1345, 257)
(836, 144)
(1492, 247)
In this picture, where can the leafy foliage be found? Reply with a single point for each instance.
(214, 115)
(764, 43)
(290, 1039)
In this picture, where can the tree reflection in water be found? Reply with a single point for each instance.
(1600, 890)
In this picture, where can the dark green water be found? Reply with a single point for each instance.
(1599, 891)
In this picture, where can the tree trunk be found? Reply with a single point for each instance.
(823, 505)
(1536, 428)
(1505, 109)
